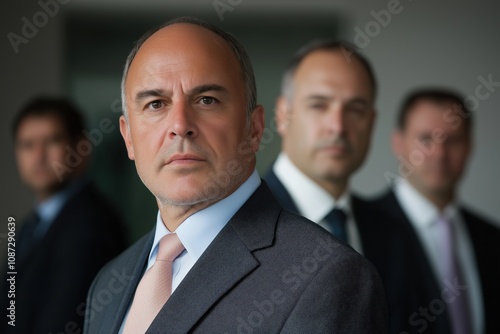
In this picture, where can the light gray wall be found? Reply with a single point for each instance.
(428, 42)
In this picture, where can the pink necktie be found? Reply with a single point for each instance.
(458, 309)
(155, 287)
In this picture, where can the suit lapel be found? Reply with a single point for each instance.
(134, 263)
(424, 282)
(280, 192)
(226, 261)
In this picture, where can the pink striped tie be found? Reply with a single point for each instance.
(155, 287)
(458, 308)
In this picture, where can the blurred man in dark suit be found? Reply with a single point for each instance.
(71, 232)
(224, 257)
(453, 277)
(325, 117)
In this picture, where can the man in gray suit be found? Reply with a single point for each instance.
(224, 257)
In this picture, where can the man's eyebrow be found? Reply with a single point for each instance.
(358, 100)
(206, 88)
(141, 95)
(317, 97)
(355, 100)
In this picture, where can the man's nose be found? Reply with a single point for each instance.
(181, 120)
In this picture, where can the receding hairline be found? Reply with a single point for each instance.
(435, 96)
(237, 50)
(340, 47)
(171, 26)
(423, 103)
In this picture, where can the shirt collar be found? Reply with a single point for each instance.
(419, 209)
(49, 208)
(313, 202)
(200, 229)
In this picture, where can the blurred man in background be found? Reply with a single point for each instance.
(71, 232)
(455, 272)
(325, 116)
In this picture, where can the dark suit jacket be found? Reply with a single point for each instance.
(52, 283)
(381, 244)
(267, 271)
(422, 287)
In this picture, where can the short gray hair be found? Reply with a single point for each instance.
(346, 48)
(231, 41)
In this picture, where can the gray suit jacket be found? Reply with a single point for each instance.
(268, 271)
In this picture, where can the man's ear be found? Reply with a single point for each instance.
(257, 122)
(125, 131)
(281, 114)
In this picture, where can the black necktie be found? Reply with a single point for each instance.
(336, 220)
(27, 236)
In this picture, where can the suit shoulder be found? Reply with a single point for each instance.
(91, 202)
(480, 225)
(477, 217)
(90, 212)
(381, 198)
(306, 236)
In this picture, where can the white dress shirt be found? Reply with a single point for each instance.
(314, 202)
(199, 230)
(424, 215)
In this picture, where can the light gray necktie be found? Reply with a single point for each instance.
(458, 308)
(155, 287)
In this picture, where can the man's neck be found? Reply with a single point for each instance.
(335, 188)
(42, 195)
(173, 215)
(441, 199)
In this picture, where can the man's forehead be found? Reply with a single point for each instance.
(180, 47)
(428, 108)
(428, 114)
(34, 126)
(182, 37)
(333, 65)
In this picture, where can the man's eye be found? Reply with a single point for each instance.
(155, 105)
(25, 146)
(426, 140)
(318, 106)
(207, 100)
(355, 110)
